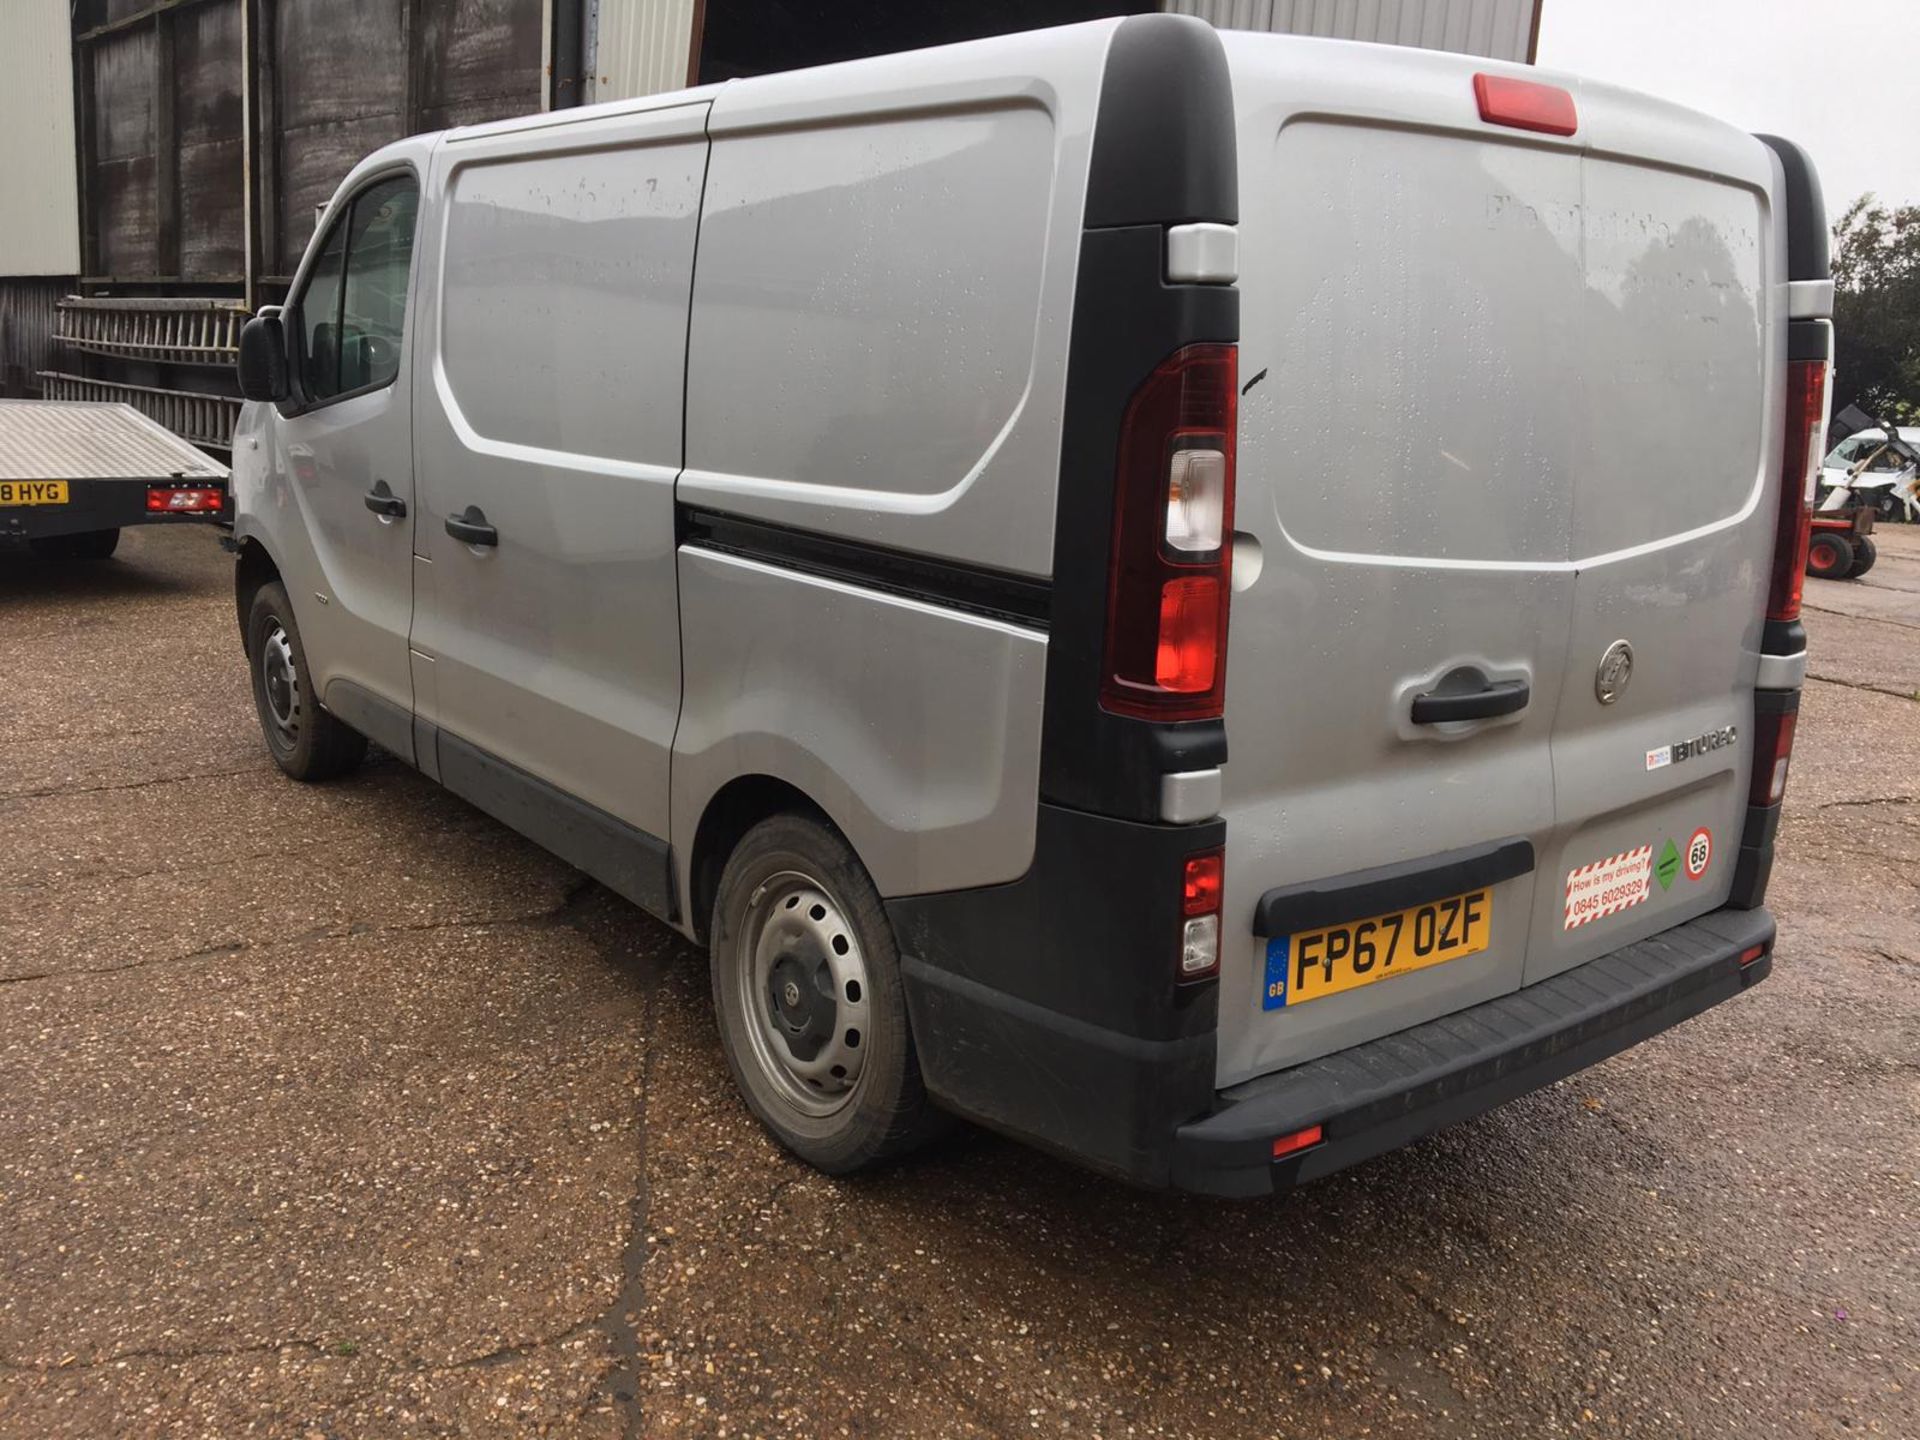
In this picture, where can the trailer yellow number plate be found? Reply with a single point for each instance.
(1353, 953)
(33, 492)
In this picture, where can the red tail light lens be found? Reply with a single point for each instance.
(1525, 104)
(1203, 883)
(1200, 904)
(184, 501)
(1171, 566)
(1772, 750)
(1799, 467)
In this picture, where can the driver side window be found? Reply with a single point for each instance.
(348, 329)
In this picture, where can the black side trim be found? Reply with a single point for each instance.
(1126, 320)
(1753, 864)
(627, 861)
(1165, 103)
(1783, 637)
(999, 594)
(388, 725)
(1806, 212)
(1809, 340)
(1050, 1007)
(1289, 909)
(1383, 1094)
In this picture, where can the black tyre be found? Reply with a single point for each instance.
(304, 740)
(1890, 508)
(1865, 552)
(87, 545)
(1830, 555)
(806, 988)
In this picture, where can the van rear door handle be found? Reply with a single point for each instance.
(470, 527)
(1501, 697)
(383, 502)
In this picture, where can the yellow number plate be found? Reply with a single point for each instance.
(1353, 953)
(33, 492)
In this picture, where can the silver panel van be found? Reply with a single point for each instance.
(1150, 588)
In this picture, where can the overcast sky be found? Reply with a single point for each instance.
(1796, 68)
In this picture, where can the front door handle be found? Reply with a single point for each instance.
(383, 502)
(470, 527)
(1500, 697)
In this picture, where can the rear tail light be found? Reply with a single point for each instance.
(1800, 468)
(1525, 104)
(1772, 749)
(181, 500)
(1200, 907)
(1165, 654)
(1751, 954)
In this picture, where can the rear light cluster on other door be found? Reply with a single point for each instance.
(1772, 752)
(1200, 911)
(1800, 468)
(1170, 573)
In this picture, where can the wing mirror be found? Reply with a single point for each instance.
(263, 357)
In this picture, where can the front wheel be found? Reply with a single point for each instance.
(304, 740)
(1829, 555)
(806, 988)
(1865, 552)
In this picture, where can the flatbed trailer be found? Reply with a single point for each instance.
(74, 473)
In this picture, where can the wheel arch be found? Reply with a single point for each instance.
(734, 809)
(255, 567)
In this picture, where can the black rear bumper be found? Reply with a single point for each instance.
(1000, 984)
(104, 505)
(1381, 1095)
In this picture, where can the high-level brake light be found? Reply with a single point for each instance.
(1525, 104)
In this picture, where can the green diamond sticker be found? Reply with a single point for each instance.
(1668, 865)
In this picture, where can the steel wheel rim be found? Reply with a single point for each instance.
(280, 683)
(804, 993)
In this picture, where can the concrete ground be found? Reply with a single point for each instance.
(341, 1111)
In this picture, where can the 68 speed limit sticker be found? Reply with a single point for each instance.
(1608, 886)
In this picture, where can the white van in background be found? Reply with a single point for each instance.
(876, 519)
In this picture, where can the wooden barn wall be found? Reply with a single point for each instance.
(342, 78)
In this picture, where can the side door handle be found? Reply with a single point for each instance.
(470, 527)
(1501, 697)
(383, 502)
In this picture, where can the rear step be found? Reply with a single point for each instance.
(1330, 1113)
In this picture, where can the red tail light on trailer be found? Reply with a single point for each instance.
(185, 500)
(1170, 574)
(1800, 467)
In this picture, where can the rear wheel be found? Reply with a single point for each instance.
(1829, 555)
(304, 740)
(806, 988)
(1865, 552)
(1890, 508)
(87, 545)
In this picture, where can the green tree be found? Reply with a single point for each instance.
(1876, 310)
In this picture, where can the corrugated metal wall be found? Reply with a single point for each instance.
(28, 312)
(1498, 29)
(641, 47)
(39, 198)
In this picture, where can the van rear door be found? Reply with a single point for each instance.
(1670, 476)
(1504, 407)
